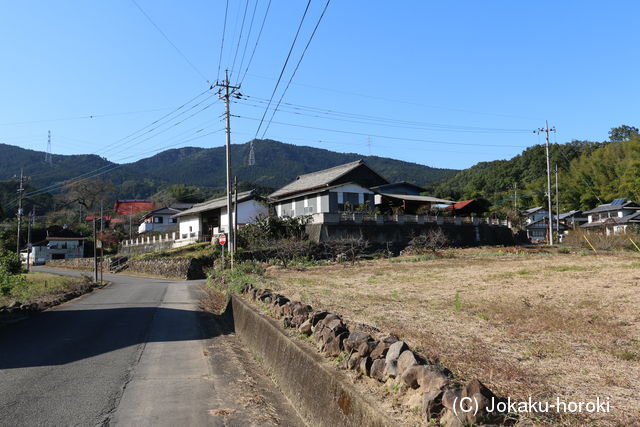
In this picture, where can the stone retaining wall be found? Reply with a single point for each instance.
(85, 264)
(175, 268)
(363, 349)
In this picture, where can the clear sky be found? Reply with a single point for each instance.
(444, 83)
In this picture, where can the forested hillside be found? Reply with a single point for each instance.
(588, 173)
(278, 163)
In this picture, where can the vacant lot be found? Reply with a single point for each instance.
(525, 323)
(38, 286)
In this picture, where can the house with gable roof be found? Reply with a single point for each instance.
(613, 218)
(334, 190)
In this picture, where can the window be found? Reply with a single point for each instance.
(157, 220)
(190, 229)
(173, 220)
(308, 210)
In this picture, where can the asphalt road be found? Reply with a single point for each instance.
(137, 352)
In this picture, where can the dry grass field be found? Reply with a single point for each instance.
(526, 323)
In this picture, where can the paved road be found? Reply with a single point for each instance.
(137, 352)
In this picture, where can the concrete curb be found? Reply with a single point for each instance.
(322, 396)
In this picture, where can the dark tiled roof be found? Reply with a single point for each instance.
(608, 207)
(316, 179)
(569, 214)
(413, 198)
(532, 210)
(634, 217)
(398, 184)
(218, 203)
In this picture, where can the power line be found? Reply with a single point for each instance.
(402, 101)
(382, 121)
(244, 17)
(157, 123)
(109, 168)
(170, 42)
(284, 66)
(385, 136)
(81, 117)
(264, 19)
(246, 43)
(296, 68)
(141, 129)
(224, 29)
(171, 126)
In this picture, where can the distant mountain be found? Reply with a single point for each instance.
(277, 164)
(63, 167)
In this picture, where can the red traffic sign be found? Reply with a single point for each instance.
(222, 239)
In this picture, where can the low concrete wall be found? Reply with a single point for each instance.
(323, 397)
(401, 234)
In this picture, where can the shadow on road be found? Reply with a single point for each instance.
(58, 337)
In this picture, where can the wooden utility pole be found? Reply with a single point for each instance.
(550, 221)
(229, 90)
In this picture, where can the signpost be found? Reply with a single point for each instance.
(222, 239)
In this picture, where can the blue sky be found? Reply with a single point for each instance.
(445, 84)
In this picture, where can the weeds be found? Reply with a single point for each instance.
(457, 303)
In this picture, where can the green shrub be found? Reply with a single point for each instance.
(10, 284)
(10, 262)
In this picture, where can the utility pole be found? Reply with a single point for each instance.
(101, 236)
(32, 217)
(515, 197)
(557, 205)
(130, 222)
(549, 222)
(19, 214)
(228, 91)
(235, 210)
(95, 250)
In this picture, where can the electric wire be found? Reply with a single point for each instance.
(246, 43)
(383, 119)
(255, 46)
(244, 17)
(224, 29)
(387, 123)
(384, 136)
(283, 67)
(296, 68)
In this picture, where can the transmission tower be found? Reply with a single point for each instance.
(47, 155)
(252, 155)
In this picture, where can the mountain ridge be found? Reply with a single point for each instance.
(278, 163)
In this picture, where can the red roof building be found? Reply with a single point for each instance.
(132, 206)
(467, 207)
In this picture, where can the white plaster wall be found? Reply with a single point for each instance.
(193, 221)
(247, 213)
